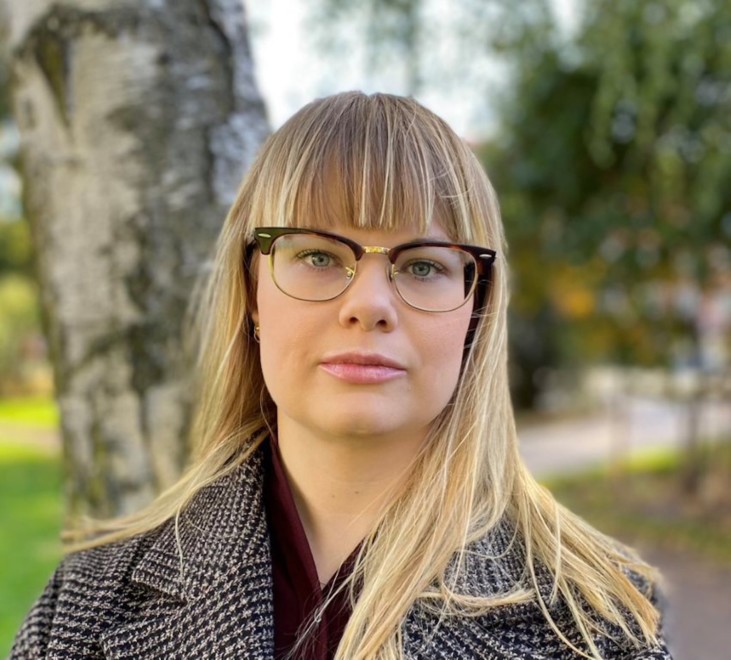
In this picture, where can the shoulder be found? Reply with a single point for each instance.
(109, 564)
(84, 589)
(95, 591)
(494, 569)
(106, 564)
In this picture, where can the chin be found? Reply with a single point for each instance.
(370, 424)
(361, 428)
(373, 415)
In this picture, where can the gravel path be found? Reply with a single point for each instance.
(639, 424)
(46, 439)
(698, 616)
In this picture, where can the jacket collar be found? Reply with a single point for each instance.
(222, 528)
(225, 526)
(224, 588)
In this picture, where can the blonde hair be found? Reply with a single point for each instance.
(387, 162)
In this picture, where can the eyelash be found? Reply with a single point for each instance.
(433, 264)
(306, 253)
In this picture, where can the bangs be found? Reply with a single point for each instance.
(370, 162)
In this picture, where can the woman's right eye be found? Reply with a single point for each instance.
(317, 258)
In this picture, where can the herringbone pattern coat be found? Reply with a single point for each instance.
(129, 600)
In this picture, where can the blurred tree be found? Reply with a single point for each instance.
(4, 81)
(662, 116)
(425, 43)
(136, 121)
(19, 313)
(615, 172)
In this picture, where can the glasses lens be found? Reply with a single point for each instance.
(436, 279)
(311, 267)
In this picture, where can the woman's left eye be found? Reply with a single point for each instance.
(320, 259)
(423, 269)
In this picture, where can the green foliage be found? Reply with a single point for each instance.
(613, 166)
(30, 490)
(19, 320)
(4, 85)
(642, 502)
(407, 37)
(16, 249)
(660, 119)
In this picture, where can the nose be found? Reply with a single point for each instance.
(370, 301)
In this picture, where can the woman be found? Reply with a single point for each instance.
(356, 489)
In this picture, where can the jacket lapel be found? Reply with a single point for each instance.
(217, 600)
(492, 566)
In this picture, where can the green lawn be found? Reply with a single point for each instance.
(30, 517)
(38, 412)
(642, 503)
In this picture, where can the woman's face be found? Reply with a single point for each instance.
(364, 363)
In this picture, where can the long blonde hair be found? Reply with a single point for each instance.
(387, 162)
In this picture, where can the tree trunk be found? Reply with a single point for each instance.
(137, 120)
(695, 465)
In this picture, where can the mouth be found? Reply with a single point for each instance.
(363, 359)
(362, 368)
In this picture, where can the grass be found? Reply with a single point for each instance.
(38, 412)
(30, 516)
(642, 503)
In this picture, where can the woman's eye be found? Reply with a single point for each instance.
(424, 269)
(317, 259)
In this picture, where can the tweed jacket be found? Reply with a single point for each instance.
(136, 599)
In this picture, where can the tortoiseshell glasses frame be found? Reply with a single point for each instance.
(440, 277)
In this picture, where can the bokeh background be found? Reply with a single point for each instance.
(605, 127)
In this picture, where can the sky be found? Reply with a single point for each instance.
(290, 72)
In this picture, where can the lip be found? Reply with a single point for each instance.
(362, 368)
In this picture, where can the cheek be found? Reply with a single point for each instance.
(288, 330)
(455, 330)
(271, 304)
(279, 356)
(445, 349)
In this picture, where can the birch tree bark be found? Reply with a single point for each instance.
(137, 120)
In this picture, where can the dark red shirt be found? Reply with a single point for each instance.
(298, 595)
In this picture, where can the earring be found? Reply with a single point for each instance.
(257, 338)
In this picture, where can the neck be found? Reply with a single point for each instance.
(341, 485)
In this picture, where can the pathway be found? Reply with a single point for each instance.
(698, 615)
(572, 445)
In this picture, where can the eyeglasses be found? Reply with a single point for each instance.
(317, 266)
